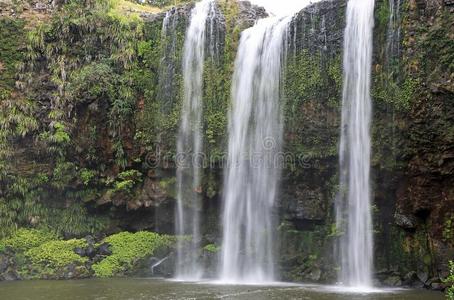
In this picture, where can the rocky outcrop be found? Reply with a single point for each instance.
(113, 161)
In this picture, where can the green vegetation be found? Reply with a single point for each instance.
(313, 94)
(56, 254)
(127, 249)
(70, 85)
(26, 239)
(41, 254)
(450, 282)
(448, 229)
(12, 38)
(212, 248)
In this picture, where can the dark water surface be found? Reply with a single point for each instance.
(137, 289)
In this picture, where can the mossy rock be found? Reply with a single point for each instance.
(127, 249)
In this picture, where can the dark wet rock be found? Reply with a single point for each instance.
(152, 195)
(90, 240)
(72, 271)
(410, 279)
(315, 274)
(155, 266)
(250, 13)
(210, 260)
(306, 205)
(104, 249)
(437, 286)
(4, 263)
(97, 259)
(90, 251)
(183, 11)
(405, 221)
(423, 276)
(10, 275)
(393, 281)
(80, 251)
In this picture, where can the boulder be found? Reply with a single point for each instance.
(315, 274)
(4, 263)
(423, 276)
(104, 249)
(393, 281)
(405, 221)
(410, 279)
(10, 275)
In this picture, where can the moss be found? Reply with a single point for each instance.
(438, 46)
(382, 15)
(312, 92)
(127, 249)
(450, 282)
(25, 239)
(212, 248)
(448, 229)
(56, 254)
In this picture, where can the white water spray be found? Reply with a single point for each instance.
(255, 138)
(190, 146)
(354, 207)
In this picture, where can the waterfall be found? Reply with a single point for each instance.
(353, 207)
(255, 138)
(190, 145)
(394, 31)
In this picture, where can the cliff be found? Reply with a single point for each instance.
(90, 99)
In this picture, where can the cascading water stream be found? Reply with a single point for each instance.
(190, 146)
(394, 31)
(255, 138)
(354, 204)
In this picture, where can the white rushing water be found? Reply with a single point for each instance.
(354, 204)
(394, 30)
(190, 145)
(255, 138)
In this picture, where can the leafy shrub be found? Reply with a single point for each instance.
(56, 254)
(127, 180)
(211, 248)
(127, 248)
(87, 175)
(25, 239)
(125, 186)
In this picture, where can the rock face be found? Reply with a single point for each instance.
(100, 132)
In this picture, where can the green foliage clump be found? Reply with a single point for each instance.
(24, 239)
(448, 228)
(127, 180)
(211, 248)
(57, 254)
(127, 248)
(87, 176)
(12, 36)
(450, 282)
(41, 253)
(75, 220)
